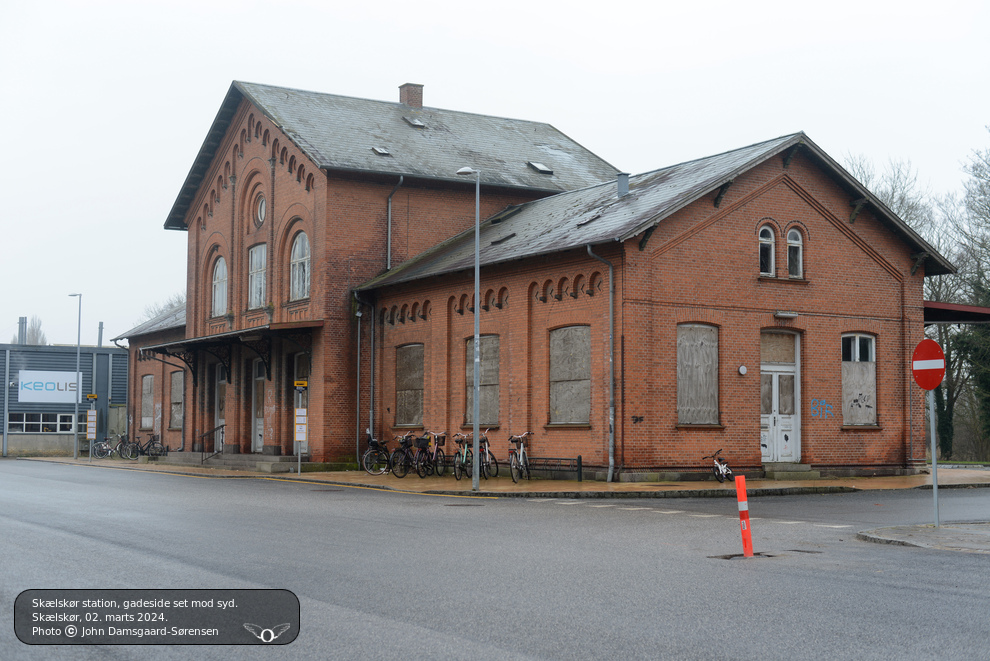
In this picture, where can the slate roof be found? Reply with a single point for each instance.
(170, 319)
(596, 215)
(341, 133)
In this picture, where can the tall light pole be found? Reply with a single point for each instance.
(75, 405)
(477, 319)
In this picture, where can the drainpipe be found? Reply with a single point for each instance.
(371, 379)
(388, 255)
(357, 399)
(611, 361)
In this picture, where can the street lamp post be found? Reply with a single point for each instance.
(75, 405)
(475, 486)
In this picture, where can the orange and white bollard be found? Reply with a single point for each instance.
(747, 537)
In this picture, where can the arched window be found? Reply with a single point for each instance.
(219, 287)
(299, 268)
(795, 258)
(766, 252)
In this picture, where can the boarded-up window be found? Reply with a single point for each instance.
(777, 347)
(409, 385)
(859, 380)
(570, 375)
(147, 401)
(488, 378)
(697, 375)
(175, 412)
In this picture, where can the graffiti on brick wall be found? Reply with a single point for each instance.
(821, 409)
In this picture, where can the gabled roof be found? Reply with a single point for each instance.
(170, 319)
(596, 214)
(341, 133)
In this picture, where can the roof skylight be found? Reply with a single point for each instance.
(412, 121)
(539, 167)
(381, 151)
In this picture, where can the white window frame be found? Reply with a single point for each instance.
(34, 422)
(257, 266)
(795, 254)
(219, 287)
(299, 268)
(147, 401)
(859, 379)
(767, 240)
(177, 399)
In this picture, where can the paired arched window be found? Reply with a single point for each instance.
(299, 268)
(795, 253)
(219, 307)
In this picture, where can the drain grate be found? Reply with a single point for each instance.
(804, 551)
(463, 505)
(324, 489)
(734, 556)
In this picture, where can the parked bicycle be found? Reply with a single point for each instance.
(721, 468)
(376, 459)
(152, 447)
(403, 458)
(104, 449)
(518, 459)
(487, 464)
(430, 459)
(464, 459)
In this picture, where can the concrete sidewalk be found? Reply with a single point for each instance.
(973, 537)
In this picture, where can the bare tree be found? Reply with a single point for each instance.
(174, 301)
(34, 333)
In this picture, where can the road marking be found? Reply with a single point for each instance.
(704, 516)
(825, 525)
(633, 508)
(568, 502)
(601, 505)
(669, 511)
(790, 523)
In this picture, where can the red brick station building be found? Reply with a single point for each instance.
(761, 301)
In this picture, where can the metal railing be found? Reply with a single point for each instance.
(217, 434)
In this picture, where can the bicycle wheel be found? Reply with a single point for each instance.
(458, 466)
(492, 466)
(728, 474)
(514, 470)
(375, 462)
(101, 450)
(156, 449)
(400, 464)
(440, 463)
(424, 465)
(718, 474)
(129, 451)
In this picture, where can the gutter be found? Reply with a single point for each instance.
(611, 361)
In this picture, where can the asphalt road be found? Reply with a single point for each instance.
(393, 575)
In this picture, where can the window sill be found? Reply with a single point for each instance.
(567, 425)
(861, 428)
(793, 281)
(686, 426)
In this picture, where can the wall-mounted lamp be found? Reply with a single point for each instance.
(783, 314)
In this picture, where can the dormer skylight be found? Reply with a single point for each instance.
(539, 167)
(415, 123)
(381, 151)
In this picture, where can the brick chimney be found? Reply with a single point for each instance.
(411, 95)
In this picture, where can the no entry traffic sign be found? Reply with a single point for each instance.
(928, 364)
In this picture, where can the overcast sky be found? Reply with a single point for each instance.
(106, 103)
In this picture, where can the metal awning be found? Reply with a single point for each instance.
(258, 339)
(954, 313)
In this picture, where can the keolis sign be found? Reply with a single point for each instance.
(52, 387)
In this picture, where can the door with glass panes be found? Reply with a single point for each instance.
(780, 394)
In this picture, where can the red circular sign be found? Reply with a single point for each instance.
(928, 364)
